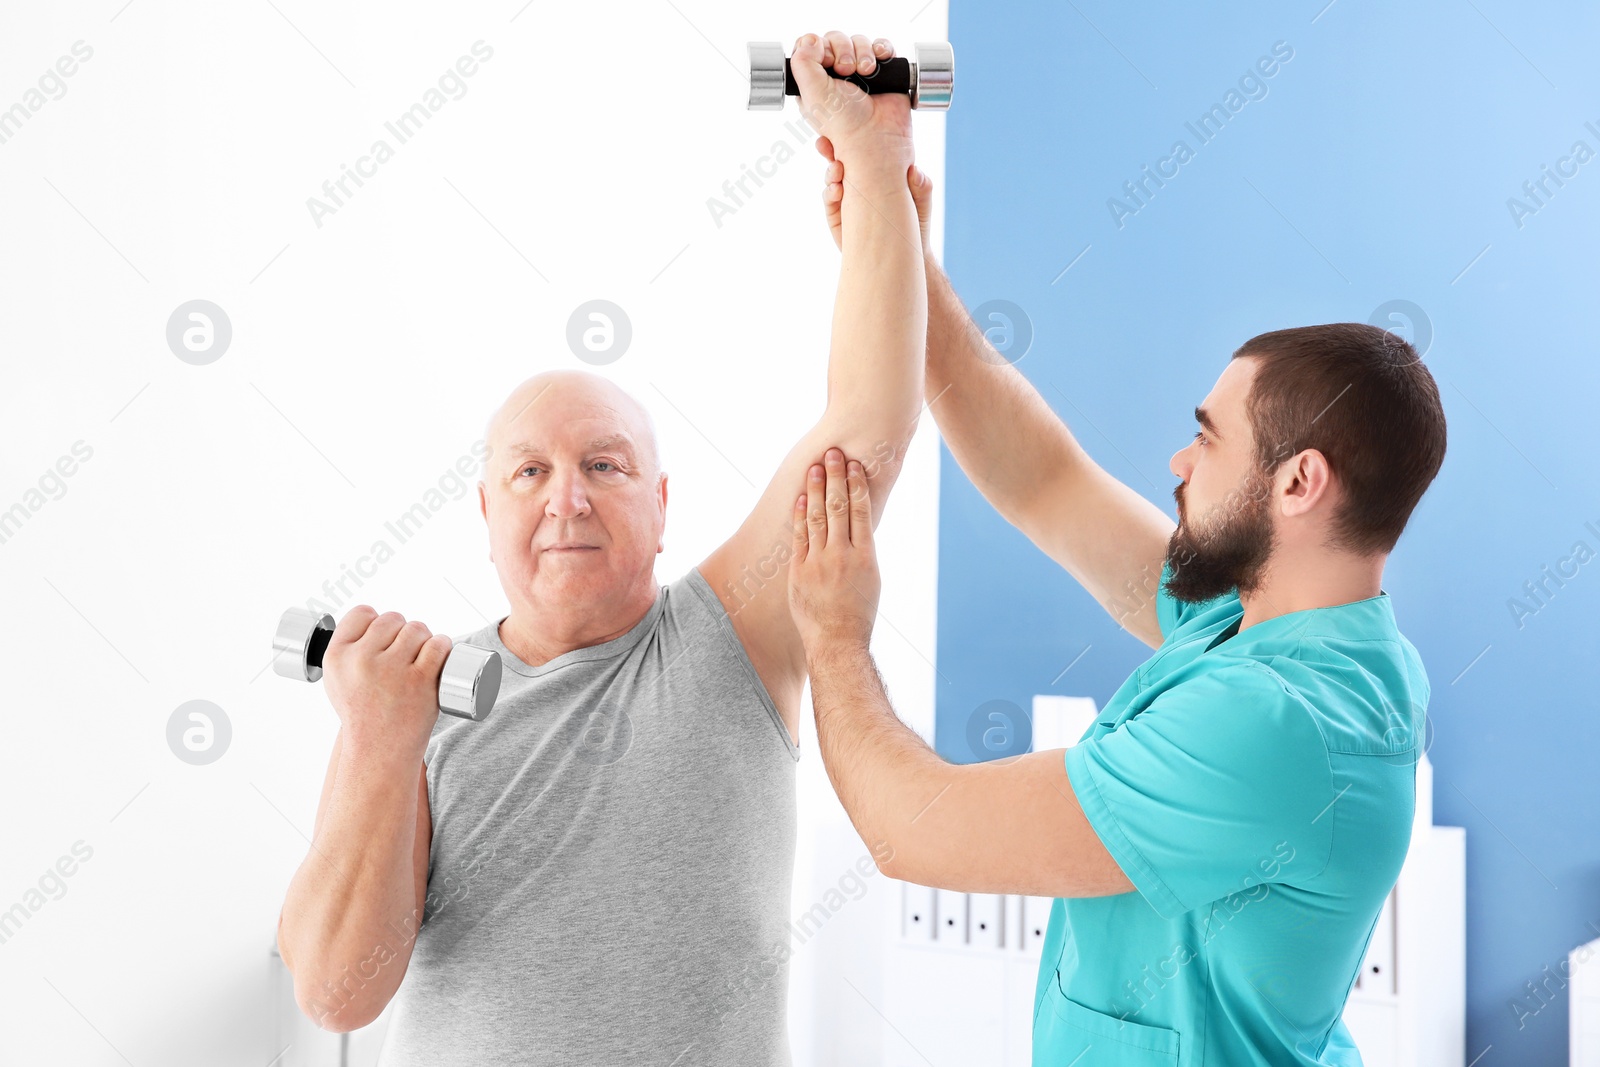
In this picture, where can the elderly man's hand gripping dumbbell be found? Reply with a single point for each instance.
(464, 678)
(383, 677)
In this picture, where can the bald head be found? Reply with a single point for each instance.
(540, 403)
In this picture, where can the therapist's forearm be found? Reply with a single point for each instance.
(885, 775)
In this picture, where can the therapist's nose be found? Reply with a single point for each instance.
(1182, 464)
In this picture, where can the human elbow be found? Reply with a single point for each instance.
(895, 869)
(339, 996)
(891, 859)
(336, 1005)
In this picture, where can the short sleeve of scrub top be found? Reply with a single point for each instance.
(1198, 795)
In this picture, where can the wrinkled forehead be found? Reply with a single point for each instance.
(570, 418)
(575, 442)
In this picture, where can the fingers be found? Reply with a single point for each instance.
(866, 62)
(808, 48)
(833, 183)
(816, 507)
(838, 52)
(384, 629)
(431, 656)
(845, 54)
(409, 641)
(921, 196)
(809, 60)
(860, 507)
(825, 148)
(838, 502)
(355, 622)
(802, 535)
(390, 632)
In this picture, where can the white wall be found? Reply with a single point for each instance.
(365, 356)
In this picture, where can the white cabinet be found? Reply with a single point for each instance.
(964, 997)
(1583, 992)
(1408, 1008)
(1409, 1004)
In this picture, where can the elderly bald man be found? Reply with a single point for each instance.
(599, 872)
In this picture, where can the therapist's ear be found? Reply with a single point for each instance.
(1306, 481)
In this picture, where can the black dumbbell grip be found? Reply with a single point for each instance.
(318, 646)
(891, 76)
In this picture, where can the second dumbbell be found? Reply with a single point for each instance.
(468, 684)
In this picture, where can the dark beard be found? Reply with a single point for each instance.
(1229, 552)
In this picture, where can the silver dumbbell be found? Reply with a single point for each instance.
(928, 80)
(467, 686)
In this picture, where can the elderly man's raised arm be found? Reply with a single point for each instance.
(875, 362)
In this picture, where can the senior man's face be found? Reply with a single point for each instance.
(575, 510)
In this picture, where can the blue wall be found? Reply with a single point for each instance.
(1376, 167)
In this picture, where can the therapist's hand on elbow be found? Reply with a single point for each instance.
(833, 569)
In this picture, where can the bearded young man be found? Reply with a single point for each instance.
(1221, 840)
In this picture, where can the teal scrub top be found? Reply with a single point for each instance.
(1257, 788)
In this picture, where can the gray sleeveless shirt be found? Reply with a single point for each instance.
(611, 863)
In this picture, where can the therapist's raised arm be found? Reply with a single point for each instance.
(1027, 464)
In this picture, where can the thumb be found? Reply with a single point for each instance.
(802, 533)
(805, 63)
(921, 195)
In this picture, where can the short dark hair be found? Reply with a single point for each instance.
(1361, 396)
